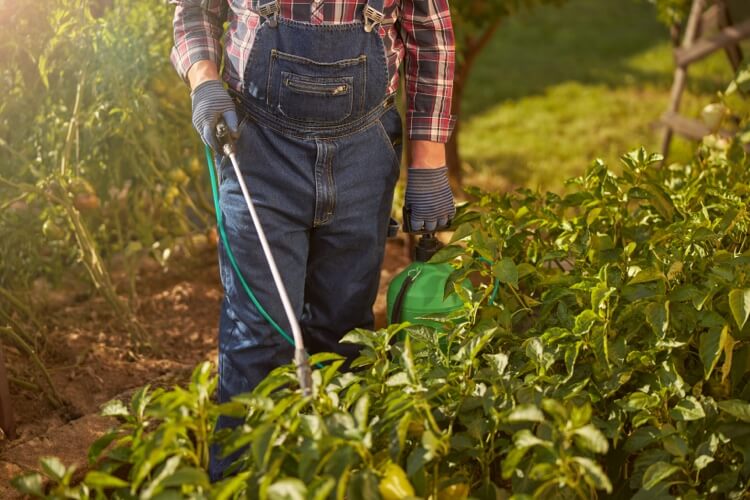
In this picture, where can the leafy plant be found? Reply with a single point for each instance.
(672, 12)
(97, 170)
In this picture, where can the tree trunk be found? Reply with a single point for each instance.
(472, 48)
(453, 156)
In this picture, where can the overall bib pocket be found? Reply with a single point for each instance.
(320, 99)
(316, 92)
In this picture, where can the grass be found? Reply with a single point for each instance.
(560, 86)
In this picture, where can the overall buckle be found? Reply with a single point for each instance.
(270, 11)
(372, 18)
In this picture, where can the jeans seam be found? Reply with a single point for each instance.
(318, 217)
(342, 63)
(331, 189)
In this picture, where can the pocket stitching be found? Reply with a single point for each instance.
(395, 159)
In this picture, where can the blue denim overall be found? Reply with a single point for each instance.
(320, 150)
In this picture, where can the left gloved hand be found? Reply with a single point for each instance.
(429, 199)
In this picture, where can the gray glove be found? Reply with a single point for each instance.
(429, 199)
(211, 102)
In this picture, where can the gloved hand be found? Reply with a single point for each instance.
(211, 102)
(429, 199)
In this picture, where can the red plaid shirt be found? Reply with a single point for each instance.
(417, 31)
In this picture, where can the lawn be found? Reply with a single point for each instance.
(560, 86)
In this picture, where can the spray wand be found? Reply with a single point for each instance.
(301, 361)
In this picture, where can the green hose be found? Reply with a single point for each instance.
(230, 254)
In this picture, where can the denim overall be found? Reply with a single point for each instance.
(320, 150)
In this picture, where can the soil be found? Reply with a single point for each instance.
(91, 361)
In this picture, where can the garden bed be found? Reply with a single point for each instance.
(90, 364)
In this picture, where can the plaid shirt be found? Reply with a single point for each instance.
(417, 31)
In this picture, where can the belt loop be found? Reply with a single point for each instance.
(373, 16)
(270, 10)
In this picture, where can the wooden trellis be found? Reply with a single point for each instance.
(697, 44)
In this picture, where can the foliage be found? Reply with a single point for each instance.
(473, 18)
(672, 12)
(613, 361)
(96, 146)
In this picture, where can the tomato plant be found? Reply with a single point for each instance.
(96, 141)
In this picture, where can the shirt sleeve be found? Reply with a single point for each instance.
(198, 28)
(427, 32)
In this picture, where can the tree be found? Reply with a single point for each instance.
(475, 21)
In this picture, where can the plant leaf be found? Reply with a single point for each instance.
(687, 410)
(710, 346)
(525, 413)
(658, 472)
(739, 303)
(506, 272)
(657, 316)
(96, 479)
(594, 474)
(29, 484)
(590, 438)
(738, 408)
(288, 489)
(53, 468)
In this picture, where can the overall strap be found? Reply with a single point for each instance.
(373, 14)
(268, 9)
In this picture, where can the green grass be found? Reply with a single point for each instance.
(559, 87)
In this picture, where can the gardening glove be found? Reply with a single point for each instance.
(429, 199)
(211, 102)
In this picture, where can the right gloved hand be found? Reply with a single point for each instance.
(211, 102)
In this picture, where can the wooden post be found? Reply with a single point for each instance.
(680, 74)
(7, 420)
(734, 52)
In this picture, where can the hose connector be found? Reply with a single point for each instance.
(224, 136)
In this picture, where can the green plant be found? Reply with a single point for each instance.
(93, 173)
(672, 12)
(613, 360)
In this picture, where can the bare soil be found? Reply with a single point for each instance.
(91, 361)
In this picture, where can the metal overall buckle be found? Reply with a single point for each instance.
(372, 18)
(270, 11)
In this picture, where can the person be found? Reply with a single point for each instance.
(310, 97)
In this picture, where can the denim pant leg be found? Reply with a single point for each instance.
(278, 175)
(346, 253)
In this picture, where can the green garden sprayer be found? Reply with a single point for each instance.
(418, 291)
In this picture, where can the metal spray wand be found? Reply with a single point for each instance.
(304, 372)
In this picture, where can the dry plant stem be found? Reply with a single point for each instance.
(17, 327)
(19, 342)
(101, 277)
(21, 307)
(72, 128)
(24, 384)
(91, 259)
